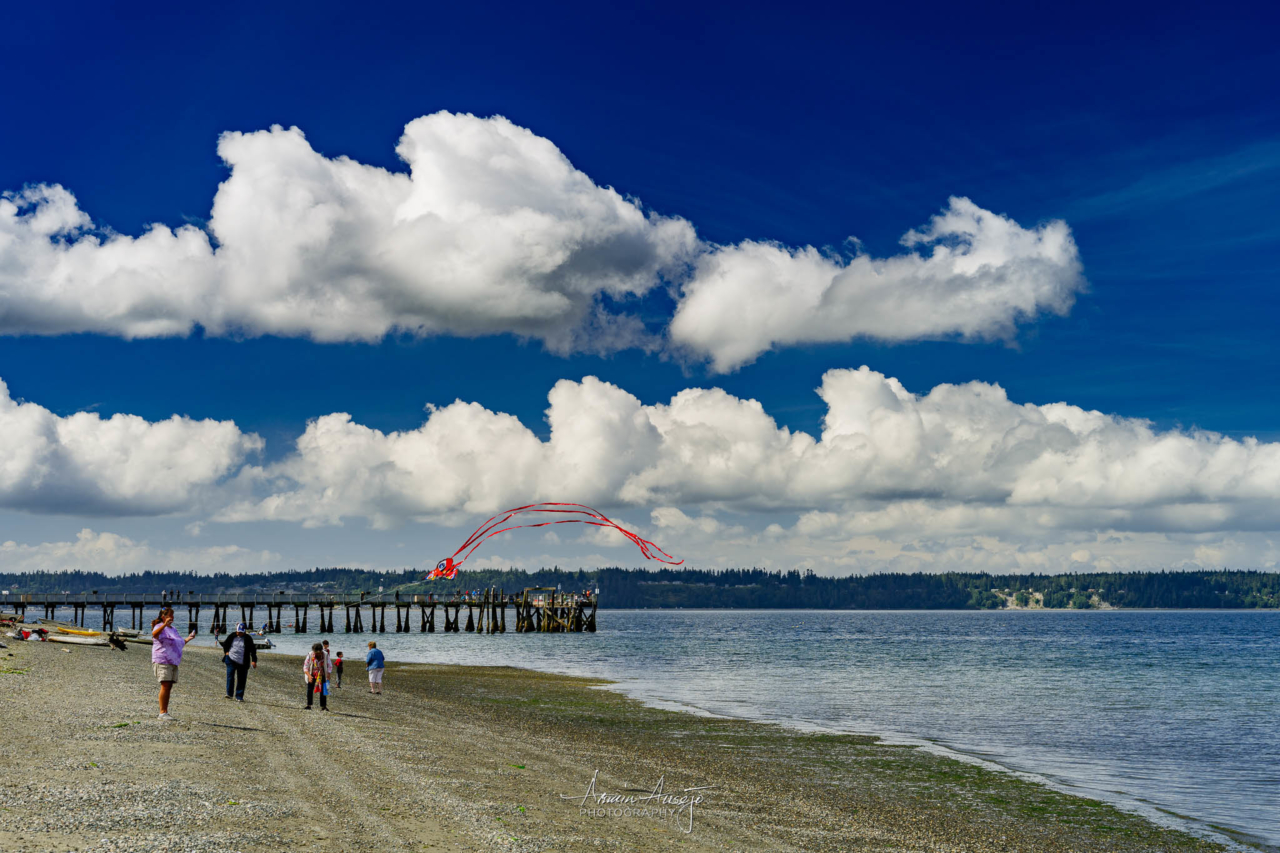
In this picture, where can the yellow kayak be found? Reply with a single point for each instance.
(80, 632)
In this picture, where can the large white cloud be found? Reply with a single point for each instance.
(960, 477)
(982, 274)
(122, 465)
(492, 230)
(964, 453)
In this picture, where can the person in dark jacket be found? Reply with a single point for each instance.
(239, 653)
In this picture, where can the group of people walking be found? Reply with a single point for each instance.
(320, 673)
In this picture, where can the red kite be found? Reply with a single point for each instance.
(448, 567)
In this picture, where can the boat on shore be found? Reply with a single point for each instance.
(64, 633)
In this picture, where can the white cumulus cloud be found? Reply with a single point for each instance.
(962, 457)
(491, 230)
(980, 275)
(121, 465)
(959, 477)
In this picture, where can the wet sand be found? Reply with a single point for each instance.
(471, 758)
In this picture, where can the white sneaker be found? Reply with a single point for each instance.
(165, 717)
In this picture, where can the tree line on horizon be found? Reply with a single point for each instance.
(730, 588)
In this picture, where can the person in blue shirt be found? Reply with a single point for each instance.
(375, 663)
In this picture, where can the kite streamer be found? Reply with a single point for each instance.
(580, 514)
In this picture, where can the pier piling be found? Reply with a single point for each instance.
(533, 610)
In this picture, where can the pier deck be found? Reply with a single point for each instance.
(534, 609)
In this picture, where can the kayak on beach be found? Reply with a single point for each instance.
(82, 632)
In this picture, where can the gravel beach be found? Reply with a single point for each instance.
(469, 758)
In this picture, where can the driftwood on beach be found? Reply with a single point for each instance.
(77, 641)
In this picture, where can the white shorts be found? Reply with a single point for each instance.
(375, 676)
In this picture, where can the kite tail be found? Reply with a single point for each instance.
(448, 567)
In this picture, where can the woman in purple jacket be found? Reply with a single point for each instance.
(166, 654)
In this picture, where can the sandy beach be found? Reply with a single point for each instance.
(469, 758)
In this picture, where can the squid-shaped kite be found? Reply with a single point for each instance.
(580, 514)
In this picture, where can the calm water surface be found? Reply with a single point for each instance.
(1175, 710)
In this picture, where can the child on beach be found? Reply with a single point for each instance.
(337, 670)
(375, 663)
(315, 672)
(328, 659)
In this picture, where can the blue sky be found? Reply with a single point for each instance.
(1149, 133)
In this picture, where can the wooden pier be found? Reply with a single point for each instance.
(536, 609)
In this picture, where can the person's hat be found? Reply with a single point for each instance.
(240, 626)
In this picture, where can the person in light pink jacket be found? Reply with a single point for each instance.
(315, 672)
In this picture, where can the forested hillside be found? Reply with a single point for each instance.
(736, 588)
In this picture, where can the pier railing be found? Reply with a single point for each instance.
(159, 599)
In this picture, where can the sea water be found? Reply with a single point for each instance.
(1156, 711)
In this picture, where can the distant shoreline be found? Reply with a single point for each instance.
(739, 588)
(954, 609)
